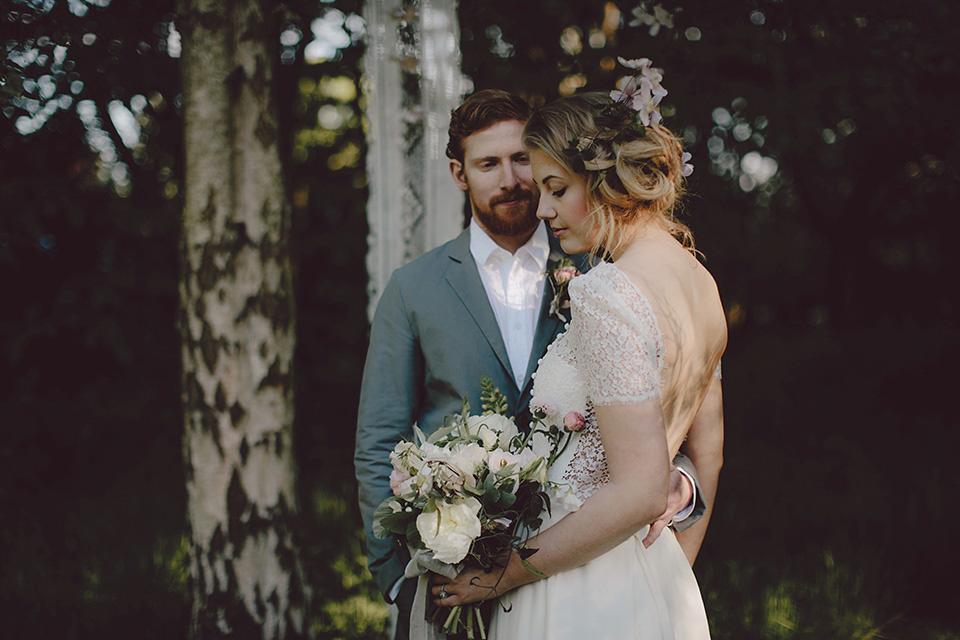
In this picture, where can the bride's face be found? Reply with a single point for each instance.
(563, 203)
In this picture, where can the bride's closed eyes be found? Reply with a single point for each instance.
(556, 193)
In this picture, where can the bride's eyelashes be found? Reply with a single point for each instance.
(558, 193)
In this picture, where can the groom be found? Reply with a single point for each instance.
(478, 305)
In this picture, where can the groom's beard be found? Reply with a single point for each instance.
(510, 214)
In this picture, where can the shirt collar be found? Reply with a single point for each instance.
(482, 245)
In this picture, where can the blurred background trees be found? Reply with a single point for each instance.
(826, 154)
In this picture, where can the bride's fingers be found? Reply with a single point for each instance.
(655, 530)
(437, 581)
(441, 595)
(439, 590)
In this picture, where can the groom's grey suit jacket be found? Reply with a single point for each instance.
(434, 335)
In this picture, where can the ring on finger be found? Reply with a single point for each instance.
(443, 593)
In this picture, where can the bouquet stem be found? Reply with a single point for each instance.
(452, 619)
(483, 631)
(472, 625)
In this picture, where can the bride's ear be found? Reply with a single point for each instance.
(456, 170)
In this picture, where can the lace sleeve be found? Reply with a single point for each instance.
(617, 338)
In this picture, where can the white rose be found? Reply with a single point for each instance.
(469, 459)
(540, 445)
(445, 476)
(450, 529)
(409, 489)
(424, 483)
(406, 456)
(431, 452)
(500, 460)
(501, 425)
(489, 437)
(424, 478)
(541, 474)
(532, 466)
(432, 470)
(564, 496)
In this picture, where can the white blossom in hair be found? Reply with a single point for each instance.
(641, 92)
(636, 106)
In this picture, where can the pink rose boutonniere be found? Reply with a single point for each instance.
(562, 272)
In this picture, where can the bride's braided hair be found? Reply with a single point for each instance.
(631, 174)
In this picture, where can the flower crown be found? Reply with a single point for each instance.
(636, 106)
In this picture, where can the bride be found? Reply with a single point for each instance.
(640, 361)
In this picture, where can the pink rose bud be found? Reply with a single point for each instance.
(573, 421)
(397, 478)
(565, 274)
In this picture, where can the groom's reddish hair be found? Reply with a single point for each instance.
(481, 110)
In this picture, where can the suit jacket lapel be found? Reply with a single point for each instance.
(464, 278)
(548, 326)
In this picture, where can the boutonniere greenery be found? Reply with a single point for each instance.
(561, 273)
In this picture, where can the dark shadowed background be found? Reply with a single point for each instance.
(825, 140)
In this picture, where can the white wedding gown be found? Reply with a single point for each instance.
(614, 352)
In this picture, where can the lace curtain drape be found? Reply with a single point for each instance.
(411, 82)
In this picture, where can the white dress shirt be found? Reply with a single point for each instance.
(514, 286)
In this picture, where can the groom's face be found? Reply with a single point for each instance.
(496, 175)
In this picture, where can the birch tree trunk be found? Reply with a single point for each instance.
(237, 331)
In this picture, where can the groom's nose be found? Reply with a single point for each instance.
(508, 177)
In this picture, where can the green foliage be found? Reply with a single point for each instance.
(806, 597)
(355, 617)
(389, 522)
(524, 554)
(492, 400)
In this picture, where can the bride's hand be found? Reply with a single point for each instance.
(472, 585)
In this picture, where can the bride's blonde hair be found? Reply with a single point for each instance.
(645, 181)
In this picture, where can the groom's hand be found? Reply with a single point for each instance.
(677, 500)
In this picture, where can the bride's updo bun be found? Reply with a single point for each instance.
(643, 182)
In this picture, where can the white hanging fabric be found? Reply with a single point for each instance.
(411, 82)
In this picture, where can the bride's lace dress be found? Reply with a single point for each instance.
(613, 352)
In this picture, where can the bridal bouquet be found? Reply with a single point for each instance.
(469, 494)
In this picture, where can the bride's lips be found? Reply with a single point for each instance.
(558, 232)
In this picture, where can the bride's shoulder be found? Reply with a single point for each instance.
(597, 272)
(601, 278)
(608, 289)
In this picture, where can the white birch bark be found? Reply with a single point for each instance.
(237, 329)
(412, 81)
